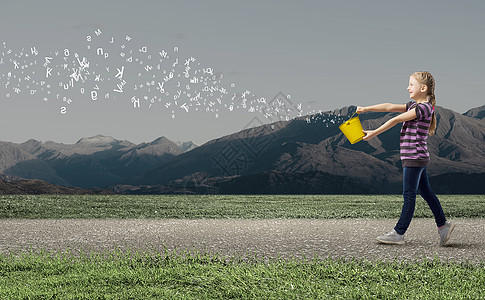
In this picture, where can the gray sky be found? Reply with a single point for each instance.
(321, 54)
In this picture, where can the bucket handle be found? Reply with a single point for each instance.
(351, 116)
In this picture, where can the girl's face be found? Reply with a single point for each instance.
(417, 91)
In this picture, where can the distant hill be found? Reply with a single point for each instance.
(478, 112)
(12, 186)
(14, 160)
(312, 182)
(186, 146)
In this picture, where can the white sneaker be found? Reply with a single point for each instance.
(391, 237)
(445, 232)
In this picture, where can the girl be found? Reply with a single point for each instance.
(418, 122)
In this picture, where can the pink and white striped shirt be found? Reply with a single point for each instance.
(414, 135)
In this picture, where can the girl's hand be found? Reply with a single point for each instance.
(360, 109)
(369, 134)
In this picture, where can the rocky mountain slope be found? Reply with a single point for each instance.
(97, 161)
(315, 144)
(478, 112)
(11, 185)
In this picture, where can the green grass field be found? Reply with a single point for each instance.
(230, 206)
(193, 275)
(202, 276)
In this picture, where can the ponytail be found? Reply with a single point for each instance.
(427, 79)
(432, 126)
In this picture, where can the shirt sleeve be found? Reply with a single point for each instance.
(423, 111)
(408, 105)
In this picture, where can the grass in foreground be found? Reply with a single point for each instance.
(203, 276)
(230, 206)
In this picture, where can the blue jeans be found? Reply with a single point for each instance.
(415, 178)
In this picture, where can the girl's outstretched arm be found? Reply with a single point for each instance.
(383, 107)
(407, 116)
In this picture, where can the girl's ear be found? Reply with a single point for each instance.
(424, 88)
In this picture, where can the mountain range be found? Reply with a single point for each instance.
(97, 161)
(305, 155)
(315, 144)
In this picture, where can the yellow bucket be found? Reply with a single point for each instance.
(352, 130)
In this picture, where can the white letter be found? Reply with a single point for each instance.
(120, 72)
(136, 101)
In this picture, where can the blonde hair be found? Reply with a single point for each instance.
(427, 79)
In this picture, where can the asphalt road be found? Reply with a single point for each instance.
(271, 238)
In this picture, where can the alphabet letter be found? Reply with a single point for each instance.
(120, 72)
(136, 101)
(120, 88)
(184, 106)
(162, 90)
